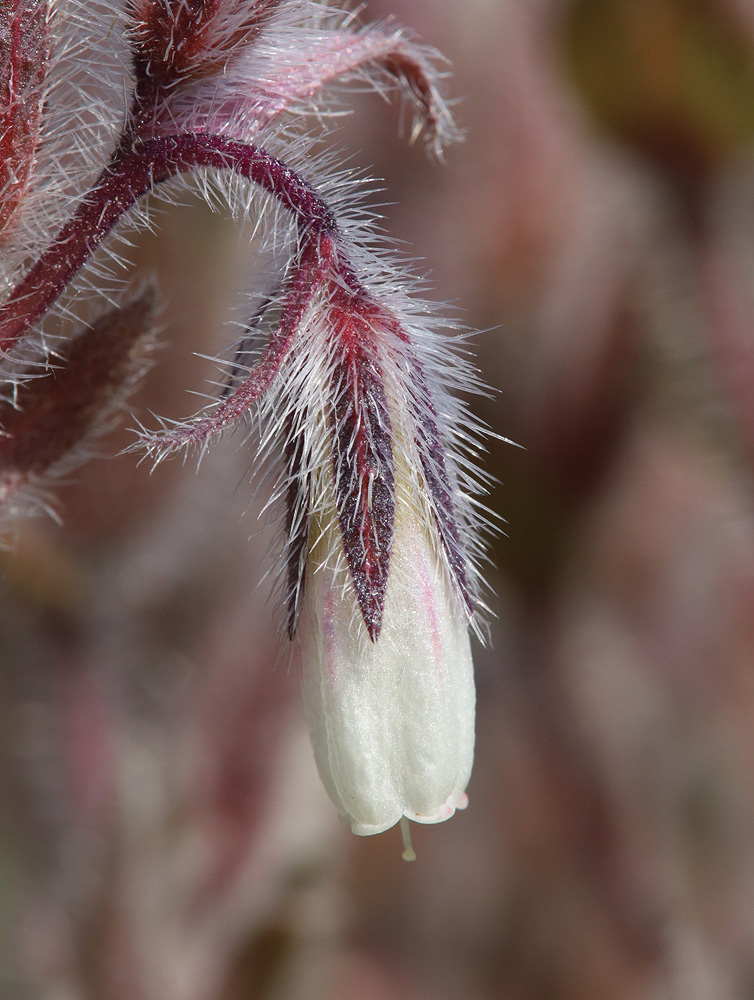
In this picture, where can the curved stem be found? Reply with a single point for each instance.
(132, 172)
(299, 291)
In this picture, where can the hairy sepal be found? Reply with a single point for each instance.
(284, 73)
(432, 482)
(345, 391)
(362, 458)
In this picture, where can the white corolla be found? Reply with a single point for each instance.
(391, 720)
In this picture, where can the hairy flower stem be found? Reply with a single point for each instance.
(134, 171)
(315, 258)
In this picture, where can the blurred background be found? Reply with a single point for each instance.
(163, 833)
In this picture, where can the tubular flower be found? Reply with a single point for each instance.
(378, 568)
(380, 535)
(341, 371)
(391, 720)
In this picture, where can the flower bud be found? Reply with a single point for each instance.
(391, 720)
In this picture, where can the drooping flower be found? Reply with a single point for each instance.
(378, 566)
(381, 538)
(350, 390)
(391, 719)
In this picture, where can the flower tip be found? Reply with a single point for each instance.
(427, 817)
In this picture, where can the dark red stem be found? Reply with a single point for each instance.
(132, 172)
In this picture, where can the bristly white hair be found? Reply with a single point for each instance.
(277, 93)
(351, 385)
(84, 111)
(266, 92)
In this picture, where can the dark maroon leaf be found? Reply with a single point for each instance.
(56, 411)
(432, 455)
